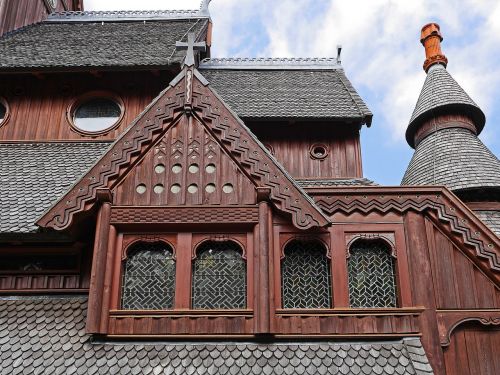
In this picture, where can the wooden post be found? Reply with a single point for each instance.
(262, 310)
(98, 268)
(108, 277)
(423, 286)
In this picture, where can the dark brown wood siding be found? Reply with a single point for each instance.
(38, 106)
(474, 350)
(18, 13)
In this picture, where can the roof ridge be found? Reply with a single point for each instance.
(123, 15)
(329, 63)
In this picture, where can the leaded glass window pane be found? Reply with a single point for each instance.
(219, 277)
(149, 277)
(305, 276)
(372, 281)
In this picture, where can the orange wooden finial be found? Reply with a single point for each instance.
(431, 39)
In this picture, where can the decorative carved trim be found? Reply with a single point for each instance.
(130, 241)
(449, 321)
(306, 238)
(233, 136)
(445, 210)
(254, 159)
(219, 238)
(388, 238)
(184, 215)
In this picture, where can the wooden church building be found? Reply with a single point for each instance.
(163, 212)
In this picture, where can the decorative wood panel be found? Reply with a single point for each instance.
(349, 322)
(186, 167)
(184, 215)
(161, 115)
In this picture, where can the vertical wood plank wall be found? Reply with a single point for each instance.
(38, 106)
(18, 13)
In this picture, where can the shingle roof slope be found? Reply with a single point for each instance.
(96, 44)
(440, 94)
(34, 175)
(286, 93)
(47, 335)
(491, 219)
(455, 158)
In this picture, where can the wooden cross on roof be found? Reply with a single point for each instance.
(190, 47)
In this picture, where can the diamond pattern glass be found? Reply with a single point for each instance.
(371, 275)
(149, 277)
(219, 277)
(305, 276)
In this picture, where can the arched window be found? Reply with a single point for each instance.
(149, 277)
(305, 276)
(372, 281)
(219, 276)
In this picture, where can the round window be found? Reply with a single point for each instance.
(318, 151)
(4, 111)
(96, 114)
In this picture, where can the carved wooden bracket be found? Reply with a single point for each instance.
(322, 238)
(450, 320)
(387, 237)
(130, 240)
(237, 238)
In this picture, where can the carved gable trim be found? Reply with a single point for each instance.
(444, 209)
(235, 138)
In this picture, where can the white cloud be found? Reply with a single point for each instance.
(382, 54)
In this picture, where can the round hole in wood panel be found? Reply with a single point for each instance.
(175, 188)
(210, 188)
(210, 168)
(193, 168)
(141, 189)
(158, 188)
(176, 168)
(318, 151)
(159, 168)
(228, 188)
(193, 188)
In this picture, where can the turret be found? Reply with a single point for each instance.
(443, 130)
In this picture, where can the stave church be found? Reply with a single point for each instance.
(165, 212)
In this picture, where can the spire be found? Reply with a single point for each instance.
(441, 94)
(443, 129)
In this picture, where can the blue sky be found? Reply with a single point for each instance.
(381, 55)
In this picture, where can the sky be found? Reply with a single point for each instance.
(381, 54)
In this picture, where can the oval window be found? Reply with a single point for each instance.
(3, 111)
(96, 115)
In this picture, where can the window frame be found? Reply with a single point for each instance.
(325, 247)
(184, 246)
(391, 252)
(98, 94)
(5, 103)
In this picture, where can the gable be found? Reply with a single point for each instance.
(187, 97)
(186, 166)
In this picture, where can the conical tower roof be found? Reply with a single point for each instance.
(443, 130)
(441, 94)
